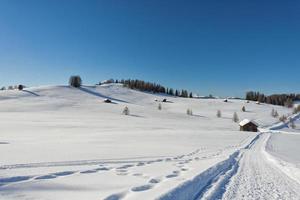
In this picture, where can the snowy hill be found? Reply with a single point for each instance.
(59, 142)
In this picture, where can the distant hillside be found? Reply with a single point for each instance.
(150, 87)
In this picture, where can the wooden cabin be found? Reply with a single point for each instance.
(248, 125)
(107, 100)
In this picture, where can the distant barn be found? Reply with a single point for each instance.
(248, 125)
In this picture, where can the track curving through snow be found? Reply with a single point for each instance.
(246, 174)
(258, 178)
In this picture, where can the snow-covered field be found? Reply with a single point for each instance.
(58, 142)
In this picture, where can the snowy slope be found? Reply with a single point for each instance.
(58, 142)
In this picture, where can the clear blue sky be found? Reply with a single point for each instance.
(219, 47)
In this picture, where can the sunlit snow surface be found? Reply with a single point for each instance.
(58, 142)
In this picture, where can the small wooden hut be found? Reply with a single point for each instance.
(248, 125)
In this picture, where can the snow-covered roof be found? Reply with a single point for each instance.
(246, 121)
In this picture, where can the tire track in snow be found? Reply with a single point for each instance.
(211, 183)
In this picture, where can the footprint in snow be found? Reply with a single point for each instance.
(154, 180)
(115, 196)
(125, 166)
(184, 169)
(140, 164)
(174, 174)
(122, 172)
(14, 179)
(171, 175)
(137, 174)
(141, 188)
(89, 171)
(50, 176)
(103, 169)
(66, 173)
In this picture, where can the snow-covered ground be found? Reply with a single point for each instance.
(58, 142)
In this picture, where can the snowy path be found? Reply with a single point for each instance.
(258, 178)
(246, 174)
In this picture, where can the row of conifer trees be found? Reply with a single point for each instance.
(275, 99)
(153, 87)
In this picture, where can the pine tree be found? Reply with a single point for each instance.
(75, 81)
(282, 118)
(159, 106)
(235, 117)
(191, 95)
(126, 111)
(273, 112)
(219, 114)
(292, 125)
(189, 112)
(243, 109)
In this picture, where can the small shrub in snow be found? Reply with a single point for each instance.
(159, 106)
(189, 112)
(243, 109)
(274, 113)
(219, 114)
(235, 117)
(292, 125)
(288, 103)
(296, 109)
(126, 111)
(282, 118)
(75, 81)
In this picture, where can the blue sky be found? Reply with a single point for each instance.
(218, 47)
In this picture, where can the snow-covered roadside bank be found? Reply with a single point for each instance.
(282, 148)
(289, 152)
